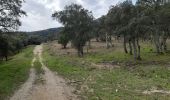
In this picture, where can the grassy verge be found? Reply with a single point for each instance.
(118, 55)
(124, 83)
(14, 72)
(38, 67)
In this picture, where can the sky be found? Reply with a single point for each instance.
(39, 11)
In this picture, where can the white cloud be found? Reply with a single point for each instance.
(39, 11)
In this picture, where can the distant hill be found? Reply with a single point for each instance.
(45, 35)
(46, 32)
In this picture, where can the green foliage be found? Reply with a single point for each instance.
(147, 20)
(38, 67)
(63, 39)
(135, 22)
(35, 39)
(78, 22)
(44, 35)
(10, 12)
(11, 43)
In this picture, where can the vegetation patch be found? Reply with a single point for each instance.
(122, 83)
(14, 72)
(39, 72)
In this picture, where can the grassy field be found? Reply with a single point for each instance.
(126, 80)
(14, 72)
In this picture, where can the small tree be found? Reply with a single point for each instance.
(78, 22)
(63, 39)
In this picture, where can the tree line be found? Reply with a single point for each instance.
(11, 41)
(147, 20)
(10, 12)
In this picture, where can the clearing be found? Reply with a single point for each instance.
(110, 74)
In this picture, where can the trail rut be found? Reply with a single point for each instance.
(53, 88)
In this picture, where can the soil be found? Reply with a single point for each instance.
(52, 86)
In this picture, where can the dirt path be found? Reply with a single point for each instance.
(53, 86)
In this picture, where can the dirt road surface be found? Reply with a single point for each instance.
(52, 87)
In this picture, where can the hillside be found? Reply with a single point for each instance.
(46, 32)
(43, 35)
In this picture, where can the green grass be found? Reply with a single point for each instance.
(39, 72)
(118, 55)
(38, 67)
(65, 66)
(14, 72)
(124, 83)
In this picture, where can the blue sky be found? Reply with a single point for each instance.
(39, 11)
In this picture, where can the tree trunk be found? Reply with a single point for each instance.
(64, 46)
(165, 46)
(110, 40)
(157, 43)
(107, 44)
(124, 45)
(130, 47)
(138, 54)
(163, 43)
(134, 49)
(78, 51)
(97, 39)
(81, 51)
(6, 58)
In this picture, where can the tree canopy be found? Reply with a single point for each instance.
(78, 23)
(10, 12)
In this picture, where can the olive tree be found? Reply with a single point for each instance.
(78, 22)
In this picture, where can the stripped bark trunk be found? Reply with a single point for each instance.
(124, 45)
(80, 51)
(134, 49)
(110, 40)
(157, 42)
(163, 43)
(130, 47)
(107, 45)
(138, 51)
